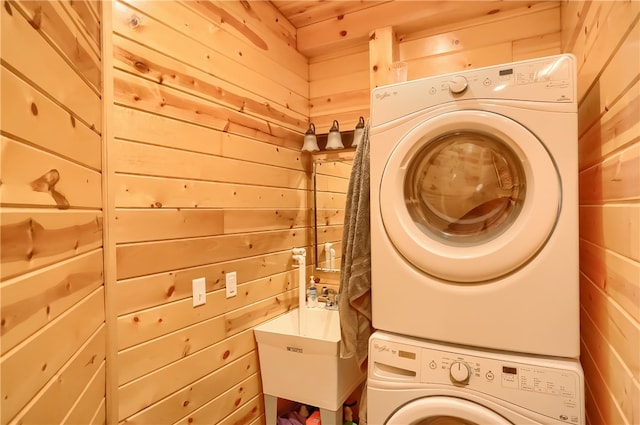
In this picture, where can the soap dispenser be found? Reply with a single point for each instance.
(312, 294)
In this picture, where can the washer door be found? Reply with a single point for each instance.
(445, 411)
(469, 196)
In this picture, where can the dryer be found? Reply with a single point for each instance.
(417, 382)
(474, 207)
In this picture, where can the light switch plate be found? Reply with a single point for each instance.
(231, 284)
(199, 291)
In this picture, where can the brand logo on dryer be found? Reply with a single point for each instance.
(381, 96)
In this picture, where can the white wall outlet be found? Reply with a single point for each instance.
(231, 284)
(199, 291)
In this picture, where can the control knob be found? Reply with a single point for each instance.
(459, 373)
(458, 84)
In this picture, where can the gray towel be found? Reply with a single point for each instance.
(355, 277)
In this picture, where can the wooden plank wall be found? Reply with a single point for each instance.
(339, 85)
(52, 362)
(605, 37)
(211, 102)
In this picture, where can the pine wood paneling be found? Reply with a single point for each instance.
(183, 402)
(139, 394)
(606, 25)
(615, 127)
(28, 114)
(133, 24)
(137, 158)
(32, 300)
(160, 99)
(27, 367)
(52, 365)
(539, 20)
(414, 16)
(90, 401)
(154, 257)
(148, 291)
(142, 359)
(211, 101)
(260, 24)
(46, 180)
(614, 274)
(134, 58)
(57, 79)
(249, 390)
(139, 126)
(604, 36)
(52, 20)
(249, 52)
(611, 225)
(33, 239)
(614, 179)
(141, 191)
(143, 325)
(57, 398)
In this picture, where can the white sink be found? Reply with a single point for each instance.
(306, 368)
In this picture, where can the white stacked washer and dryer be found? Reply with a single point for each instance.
(474, 240)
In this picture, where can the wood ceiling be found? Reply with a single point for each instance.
(325, 25)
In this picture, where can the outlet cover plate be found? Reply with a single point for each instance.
(199, 291)
(231, 284)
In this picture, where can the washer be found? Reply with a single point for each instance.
(474, 207)
(417, 382)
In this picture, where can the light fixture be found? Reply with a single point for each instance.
(358, 132)
(310, 140)
(334, 139)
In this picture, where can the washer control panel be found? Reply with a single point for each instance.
(542, 83)
(553, 388)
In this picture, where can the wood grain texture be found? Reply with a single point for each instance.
(144, 62)
(52, 363)
(210, 105)
(200, 393)
(406, 17)
(31, 364)
(250, 51)
(604, 37)
(142, 94)
(154, 257)
(56, 399)
(132, 24)
(613, 180)
(140, 191)
(30, 301)
(152, 290)
(260, 25)
(45, 180)
(150, 160)
(27, 114)
(139, 126)
(56, 25)
(57, 79)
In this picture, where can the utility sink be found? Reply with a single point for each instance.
(306, 368)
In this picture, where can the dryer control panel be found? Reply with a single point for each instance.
(550, 387)
(545, 83)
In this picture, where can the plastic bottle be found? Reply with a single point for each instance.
(312, 294)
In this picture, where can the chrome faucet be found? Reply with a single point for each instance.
(332, 299)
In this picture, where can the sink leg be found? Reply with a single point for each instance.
(330, 417)
(271, 409)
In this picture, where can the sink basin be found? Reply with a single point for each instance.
(306, 368)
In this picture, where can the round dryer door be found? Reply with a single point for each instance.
(469, 196)
(440, 410)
